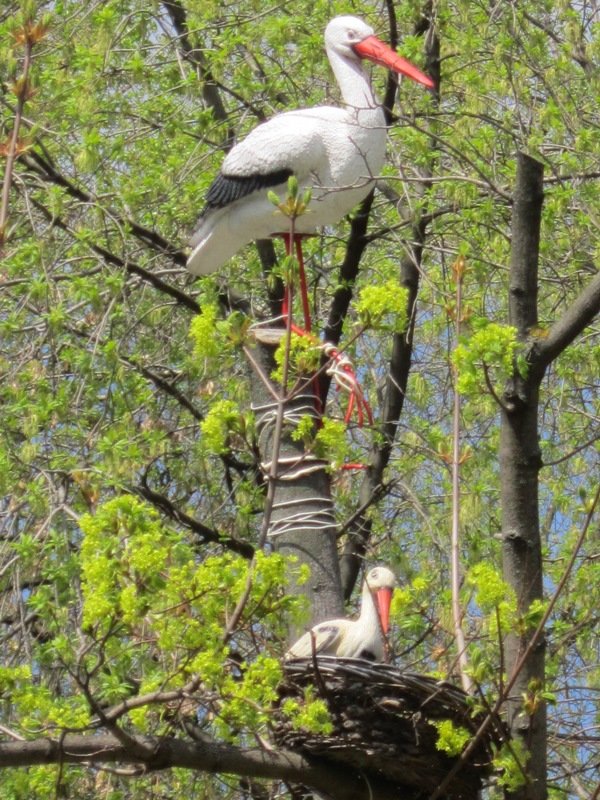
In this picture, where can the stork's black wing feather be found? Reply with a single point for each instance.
(226, 189)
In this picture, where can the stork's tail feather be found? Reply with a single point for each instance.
(211, 247)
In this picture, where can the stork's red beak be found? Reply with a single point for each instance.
(384, 598)
(378, 52)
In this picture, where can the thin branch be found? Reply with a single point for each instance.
(152, 239)
(166, 386)
(457, 614)
(573, 452)
(490, 387)
(348, 272)
(129, 266)
(579, 314)
(207, 534)
(22, 89)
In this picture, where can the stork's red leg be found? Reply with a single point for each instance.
(341, 369)
(286, 305)
(303, 286)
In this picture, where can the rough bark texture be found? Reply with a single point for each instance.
(206, 756)
(301, 521)
(520, 463)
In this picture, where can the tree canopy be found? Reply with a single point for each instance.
(149, 576)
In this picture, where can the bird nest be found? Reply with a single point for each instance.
(384, 724)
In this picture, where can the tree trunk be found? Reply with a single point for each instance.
(301, 520)
(520, 462)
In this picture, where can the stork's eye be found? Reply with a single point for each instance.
(352, 35)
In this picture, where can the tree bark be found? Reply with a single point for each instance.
(520, 462)
(207, 756)
(301, 520)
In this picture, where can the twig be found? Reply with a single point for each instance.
(490, 387)
(458, 270)
(21, 91)
(129, 266)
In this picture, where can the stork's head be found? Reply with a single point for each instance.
(381, 582)
(343, 33)
(353, 39)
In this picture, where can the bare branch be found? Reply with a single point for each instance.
(206, 756)
(579, 314)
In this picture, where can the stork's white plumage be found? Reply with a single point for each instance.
(361, 638)
(337, 152)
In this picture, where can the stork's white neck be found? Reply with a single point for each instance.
(354, 83)
(369, 615)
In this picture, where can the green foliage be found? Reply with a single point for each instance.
(489, 353)
(331, 442)
(247, 703)
(125, 555)
(310, 715)
(533, 616)
(493, 596)
(510, 761)
(409, 598)
(223, 421)
(150, 610)
(304, 356)
(295, 204)
(215, 338)
(203, 331)
(305, 430)
(384, 307)
(451, 738)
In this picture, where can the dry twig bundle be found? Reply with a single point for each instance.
(383, 724)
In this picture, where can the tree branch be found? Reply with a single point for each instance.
(347, 276)
(579, 314)
(48, 172)
(206, 756)
(525, 244)
(210, 92)
(125, 264)
(520, 462)
(207, 534)
(164, 385)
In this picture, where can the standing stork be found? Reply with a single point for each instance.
(361, 638)
(337, 153)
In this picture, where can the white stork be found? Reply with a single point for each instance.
(336, 152)
(361, 638)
